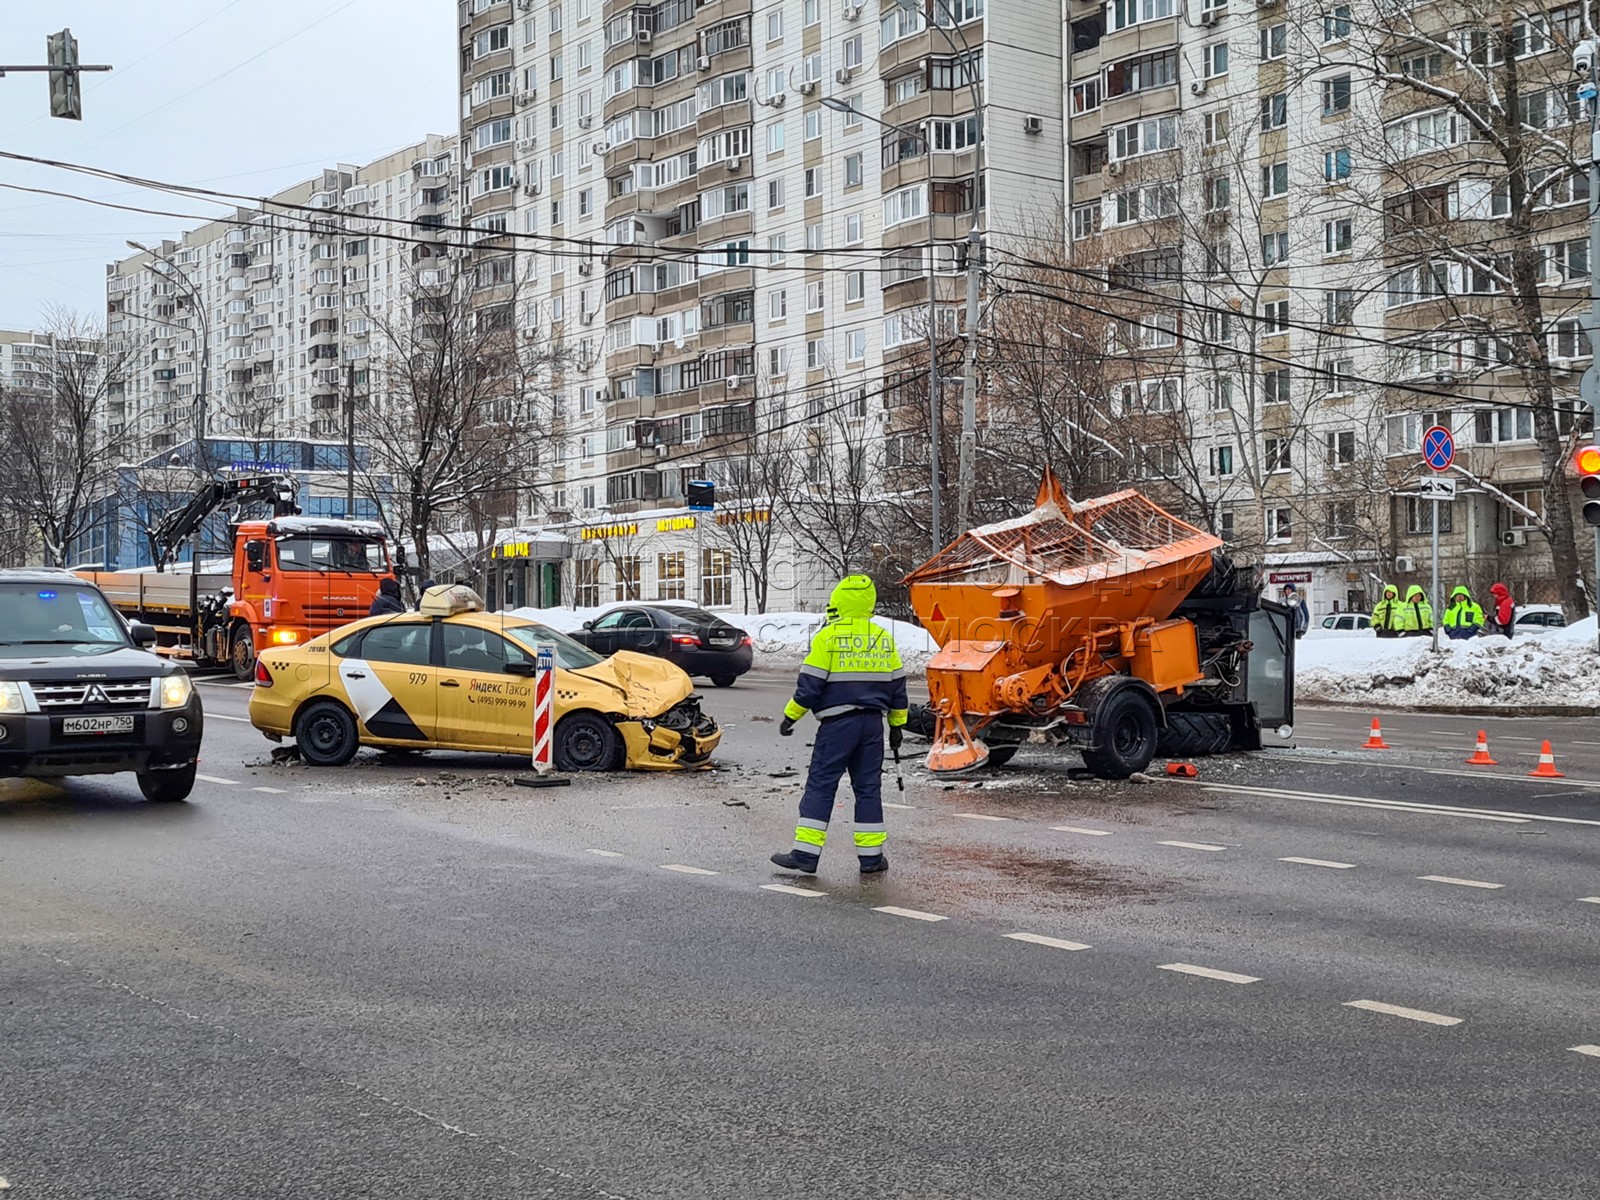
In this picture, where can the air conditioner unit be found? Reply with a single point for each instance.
(1115, 167)
(533, 189)
(734, 382)
(852, 12)
(1561, 364)
(644, 37)
(1444, 377)
(527, 145)
(703, 63)
(1404, 564)
(527, 96)
(585, 268)
(1514, 537)
(661, 449)
(1032, 124)
(843, 75)
(777, 101)
(525, 5)
(735, 163)
(1208, 19)
(585, 122)
(1197, 87)
(586, 318)
(807, 86)
(601, 147)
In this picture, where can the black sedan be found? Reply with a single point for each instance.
(699, 642)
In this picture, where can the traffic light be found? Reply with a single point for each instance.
(66, 98)
(1588, 464)
(701, 495)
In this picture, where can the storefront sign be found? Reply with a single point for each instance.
(511, 550)
(1288, 576)
(673, 524)
(750, 516)
(593, 533)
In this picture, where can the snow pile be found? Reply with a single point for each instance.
(1555, 669)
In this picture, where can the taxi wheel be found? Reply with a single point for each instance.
(326, 734)
(586, 741)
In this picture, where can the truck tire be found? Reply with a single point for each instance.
(168, 787)
(326, 734)
(920, 720)
(243, 657)
(1196, 734)
(999, 756)
(1126, 732)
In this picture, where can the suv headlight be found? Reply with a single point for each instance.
(11, 699)
(174, 690)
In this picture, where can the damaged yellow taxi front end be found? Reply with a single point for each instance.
(652, 705)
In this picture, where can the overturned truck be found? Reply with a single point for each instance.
(1109, 626)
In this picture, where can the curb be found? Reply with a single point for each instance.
(1456, 710)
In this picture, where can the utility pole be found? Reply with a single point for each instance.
(64, 69)
(350, 441)
(969, 359)
(1584, 56)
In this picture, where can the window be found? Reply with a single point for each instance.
(907, 204)
(1085, 221)
(491, 41)
(1274, 180)
(775, 26)
(1216, 59)
(775, 138)
(816, 354)
(1275, 390)
(1341, 376)
(1337, 236)
(1226, 525)
(813, 126)
(1220, 460)
(816, 295)
(1219, 394)
(774, 193)
(1336, 95)
(1274, 111)
(1340, 445)
(716, 577)
(1153, 395)
(1274, 41)
(1567, 339)
(555, 66)
(497, 178)
(671, 576)
(1336, 23)
(777, 247)
(1085, 96)
(855, 286)
(1144, 137)
(1131, 75)
(813, 183)
(1275, 317)
(1530, 498)
(1566, 261)
(1280, 524)
(777, 306)
(856, 345)
(1502, 425)
(1132, 205)
(1274, 248)
(1422, 133)
(852, 53)
(1339, 306)
(1421, 65)
(1214, 127)
(1420, 515)
(1125, 13)
(811, 14)
(852, 170)
(1338, 519)
(814, 238)
(1219, 192)
(1336, 165)
(493, 133)
(398, 643)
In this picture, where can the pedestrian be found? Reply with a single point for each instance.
(423, 590)
(1386, 614)
(387, 602)
(1463, 619)
(1297, 604)
(1502, 613)
(1416, 614)
(851, 677)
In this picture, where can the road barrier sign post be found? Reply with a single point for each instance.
(1438, 452)
(544, 705)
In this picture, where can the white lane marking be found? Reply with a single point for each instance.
(606, 853)
(1575, 742)
(979, 817)
(683, 870)
(1208, 973)
(1591, 1051)
(216, 716)
(1192, 845)
(1313, 737)
(1082, 830)
(268, 791)
(1416, 808)
(1589, 899)
(906, 807)
(1319, 862)
(893, 911)
(1038, 939)
(216, 779)
(1410, 1014)
(1391, 765)
(1473, 883)
(790, 890)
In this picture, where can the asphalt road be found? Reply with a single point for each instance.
(1315, 972)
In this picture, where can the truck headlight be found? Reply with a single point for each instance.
(11, 700)
(175, 690)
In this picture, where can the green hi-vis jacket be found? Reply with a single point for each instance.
(853, 663)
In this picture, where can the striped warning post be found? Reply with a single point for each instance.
(544, 696)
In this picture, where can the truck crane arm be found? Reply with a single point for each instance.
(171, 531)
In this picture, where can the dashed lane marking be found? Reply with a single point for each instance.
(790, 890)
(1038, 939)
(683, 870)
(1416, 808)
(1318, 862)
(1449, 772)
(904, 807)
(912, 913)
(979, 817)
(1208, 973)
(1082, 830)
(269, 791)
(605, 853)
(1591, 1051)
(216, 779)
(1410, 1014)
(1589, 899)
(216, 716)
(1193, 845)
(1472, 883)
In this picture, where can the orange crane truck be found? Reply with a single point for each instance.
(1110, 626)
(291, 577)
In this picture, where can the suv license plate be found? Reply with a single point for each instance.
(119, 724)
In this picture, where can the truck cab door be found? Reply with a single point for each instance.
(1270, 665)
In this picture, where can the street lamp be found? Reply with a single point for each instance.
(935, 513)
(173, 274)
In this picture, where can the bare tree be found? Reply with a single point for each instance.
(757, 469)
(831, 511)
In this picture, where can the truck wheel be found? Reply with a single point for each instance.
(326, 734)
(244, 655)
(1195, 734)
(1126, 731)
(586, 741)
(168, 787)
(999, 756)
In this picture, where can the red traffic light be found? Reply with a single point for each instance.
(1588, 460)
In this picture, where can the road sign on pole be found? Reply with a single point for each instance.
(544, 697)
(1438, 452)
(1438, 448)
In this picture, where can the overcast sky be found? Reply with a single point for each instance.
(242, 96)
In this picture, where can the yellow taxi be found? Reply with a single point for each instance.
(453, 677)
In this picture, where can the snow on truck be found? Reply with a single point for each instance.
(1110, 626)
(291, 577)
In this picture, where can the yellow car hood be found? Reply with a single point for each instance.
(647, 686)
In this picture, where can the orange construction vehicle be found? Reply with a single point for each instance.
(1111, 626)
(291, 578)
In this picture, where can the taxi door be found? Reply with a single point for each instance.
(480, 705)
(390, 682)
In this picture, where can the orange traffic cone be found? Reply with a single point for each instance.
(1547, 764)
(1375, 738)
(1480, 756)
(1182, 769)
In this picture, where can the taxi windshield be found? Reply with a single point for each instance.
(321, 553)
(570, 655)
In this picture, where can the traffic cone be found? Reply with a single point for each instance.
(1547, 764)
(1480, 756)
(1375, 738)
(1182, 769)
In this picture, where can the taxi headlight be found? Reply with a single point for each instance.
(11, 700)
(175, 690)
(284, 637)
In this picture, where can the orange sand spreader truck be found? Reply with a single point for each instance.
(1109, 626)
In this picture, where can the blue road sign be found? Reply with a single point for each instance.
(1438, 448)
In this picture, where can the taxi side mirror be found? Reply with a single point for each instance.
(520, 668)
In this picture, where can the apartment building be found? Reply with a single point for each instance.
(727, 214)
(1311, 267)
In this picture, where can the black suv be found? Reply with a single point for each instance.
(81, 695)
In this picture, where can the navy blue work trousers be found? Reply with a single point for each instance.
(850, 742)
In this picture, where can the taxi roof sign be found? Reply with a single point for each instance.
(448, 599)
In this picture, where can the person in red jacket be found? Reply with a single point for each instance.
(1501, 611)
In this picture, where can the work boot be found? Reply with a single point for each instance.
(878, 862)
(795, 860)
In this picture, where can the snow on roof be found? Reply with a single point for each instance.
(323, 525)
(1316, 558)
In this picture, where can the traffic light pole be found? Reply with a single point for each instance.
(1584, 65)
(63, 67)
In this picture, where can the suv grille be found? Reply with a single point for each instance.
(93, 694)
